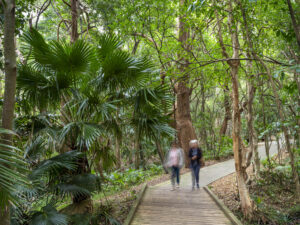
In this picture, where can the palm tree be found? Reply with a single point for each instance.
(90, 89)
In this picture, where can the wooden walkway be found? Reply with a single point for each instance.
(161, 206)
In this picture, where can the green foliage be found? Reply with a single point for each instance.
(130, 177)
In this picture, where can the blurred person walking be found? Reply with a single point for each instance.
(195, 155)
(174, 162)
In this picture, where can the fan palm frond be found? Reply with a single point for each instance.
(58, 56)
(85, 133)
(48, 216)
(12, 171)
(118, 69)
(82, 185)
(35, 149)
(57, 165)
(38, 86)
(157, 98)
(152, 125)
(108, 43)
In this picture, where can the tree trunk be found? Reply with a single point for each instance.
(253, 142)
(10, 69)
(118, 152)
(296, 78)
(247, 204)
(278, 149)
(74, 22)
(160, 154)
(137, 160)
(266, 136)
(294, 22)
(252, 133)
(184, 126)
(204, 126)
(227, 116)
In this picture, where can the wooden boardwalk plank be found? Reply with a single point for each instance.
(161, 206)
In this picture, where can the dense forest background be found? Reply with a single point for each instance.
(93, 92)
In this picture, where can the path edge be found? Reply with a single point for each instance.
(227, 211)
(135, 205)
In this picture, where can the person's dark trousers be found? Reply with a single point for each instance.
(195, 174)
(175, 174)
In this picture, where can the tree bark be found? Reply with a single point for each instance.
(118, 152)
(137, 160)
(10, 69)
(160, 154)
(294, 22)
(266, 136)
(253, 142)
(184, 126)
(227, 116)
(74, 22)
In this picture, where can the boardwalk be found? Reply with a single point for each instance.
(161, 206)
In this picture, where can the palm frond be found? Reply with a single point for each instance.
(12, 171)
(39, 86)
(85, 133)
(108, 43)
(57, 165)
(49, 216)
(82, 185)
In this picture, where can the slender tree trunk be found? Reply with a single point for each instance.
(227, 116)
(278, 149)
(10, 83)
(160, 154)
(296, 78)
(266, 136)
(10, 67)
(247, 204)
(74, 22)
(294, 22)
(252, 133)
(118, 152)
(184, 126)
(203, 128)
(137, 160)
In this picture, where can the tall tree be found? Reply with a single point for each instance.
(234, 63)
(184, 126)
(10, 82)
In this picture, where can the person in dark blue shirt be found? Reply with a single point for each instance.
(195, 154)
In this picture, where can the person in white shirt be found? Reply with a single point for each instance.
(174, 162)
